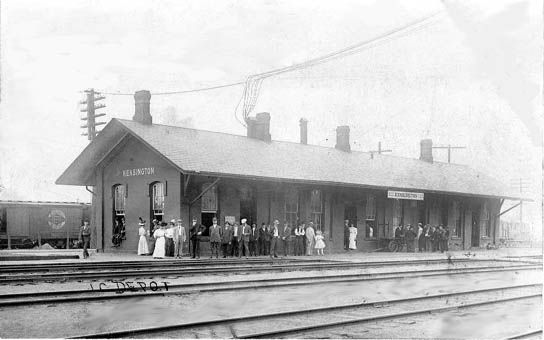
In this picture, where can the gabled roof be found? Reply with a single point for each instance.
(227, 155)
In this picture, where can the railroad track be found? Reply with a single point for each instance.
(219, 268)
(118, 292)
(288, 323)
(52, 267)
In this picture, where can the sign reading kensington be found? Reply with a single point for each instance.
(138, 172)
(404, 195)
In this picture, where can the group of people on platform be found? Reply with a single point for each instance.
(164, 239)
(428, 238)
(231, 240)
(350, 236)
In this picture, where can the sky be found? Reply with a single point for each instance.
(472, 77)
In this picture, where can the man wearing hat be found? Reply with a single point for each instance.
(85, 237)
(346, 234)
(410, 236)
(179, 238)
(286, 238)
(275, 236)
(169, 238)
(215, 238)
(236, 236)
(226, 239)
(195, 232)
(420, 238)
(243, 242)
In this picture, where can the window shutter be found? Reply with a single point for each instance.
(126, 190)
(165, 188)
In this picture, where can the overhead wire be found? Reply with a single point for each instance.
(253, 83)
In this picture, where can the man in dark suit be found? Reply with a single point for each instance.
(236, 235)
(195, 233)
(275, 236)
(215, 238)
(243, 242)
(226, 239)
(262, 240)
(253, 240)
(346, 235)
(286, 238)
(85, 237)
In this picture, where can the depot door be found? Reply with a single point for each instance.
(475, 234)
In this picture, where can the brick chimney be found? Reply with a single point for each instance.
(142, 100)
(426, 150)
(342, 138)
(303, 131)
(259, 127)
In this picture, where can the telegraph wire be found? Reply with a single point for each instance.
(177, 92)
(253, 82)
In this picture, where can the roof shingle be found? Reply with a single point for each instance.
(225, 154)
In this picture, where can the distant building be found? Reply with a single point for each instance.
(154, 171)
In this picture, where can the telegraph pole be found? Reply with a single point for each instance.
(449, 147)
(91, 98)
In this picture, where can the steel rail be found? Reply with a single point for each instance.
(185, 262)
(19, 299)
(192, 271)
(211, 323)
(191, 262)
(129, 264)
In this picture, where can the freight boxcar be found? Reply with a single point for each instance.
(25, 224)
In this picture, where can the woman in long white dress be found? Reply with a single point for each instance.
(159, 251)
(143, 248)
(352, 237)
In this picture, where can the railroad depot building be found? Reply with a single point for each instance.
(137, 168)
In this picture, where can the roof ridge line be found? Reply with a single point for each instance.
(290, 142)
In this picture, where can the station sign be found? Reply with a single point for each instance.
(405, 195)
(138, 172)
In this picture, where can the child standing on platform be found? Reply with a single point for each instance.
(319, 242)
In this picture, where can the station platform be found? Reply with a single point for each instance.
(75, 255)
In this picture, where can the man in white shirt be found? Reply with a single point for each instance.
(179, 238)
(236, 235)
(275, 239)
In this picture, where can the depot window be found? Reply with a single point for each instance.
(370, 225)
(157, 191)
(485, 225)
(3, 220)
(119, 199)
(316, 207)
(456, 211)
(291, 207)
(209, 199)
